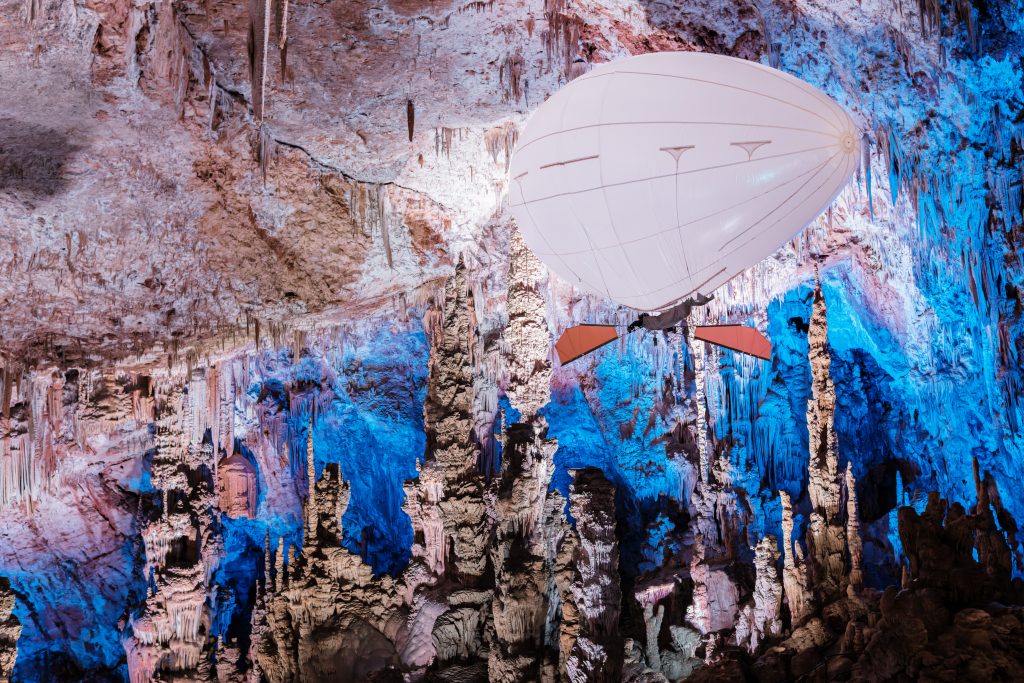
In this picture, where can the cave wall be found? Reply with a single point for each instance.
(310, 293)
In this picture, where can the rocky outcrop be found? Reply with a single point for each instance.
(237, 487)
(10, 631)
(715, 597)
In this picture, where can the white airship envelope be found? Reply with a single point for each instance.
(664, 175)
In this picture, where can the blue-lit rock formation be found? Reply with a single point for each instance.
(278, 400)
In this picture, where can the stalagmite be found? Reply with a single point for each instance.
(652, 627)
(794, 576)
(853, 542)
(698, 350)
(452, 457)
(826, 534)
(528, 360)
(561, 547)
(520, 604)
(279, 582)
(521, 585)
(597, 652)
(310, 504)
(765, 616)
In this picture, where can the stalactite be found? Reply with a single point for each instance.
(282, 40)
(310, 504)
(698, 352)
(410, 118)
(264, 50)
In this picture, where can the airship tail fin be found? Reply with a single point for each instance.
(580, 340)
(736, 337)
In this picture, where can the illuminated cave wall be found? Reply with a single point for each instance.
(924, 293)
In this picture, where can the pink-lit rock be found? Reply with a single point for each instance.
(237, 486)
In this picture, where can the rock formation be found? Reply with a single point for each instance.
(520, 553)
(170, 632)
(794, 575)
(10, 631)
(451, 455)
(520, 608)
(237, 486)
(762, 620)
(826, 536)
(597, 649)
(277, 399)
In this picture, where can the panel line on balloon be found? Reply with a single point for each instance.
(781, 204)
(678, 173)
(697, 288)
(552, 254)
(711, 278)
(807, 88)
(778, 220)
(570, 161)
(609, 124)
(705, 217)
(676, 153)
(733, 87)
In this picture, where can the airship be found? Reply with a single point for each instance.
(655, 179)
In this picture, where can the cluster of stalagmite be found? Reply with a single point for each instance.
(833, 562)
(508, 580)
(168, 634)
(320, 614)
(551, 600)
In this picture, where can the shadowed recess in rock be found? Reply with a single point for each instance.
(33, 158)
